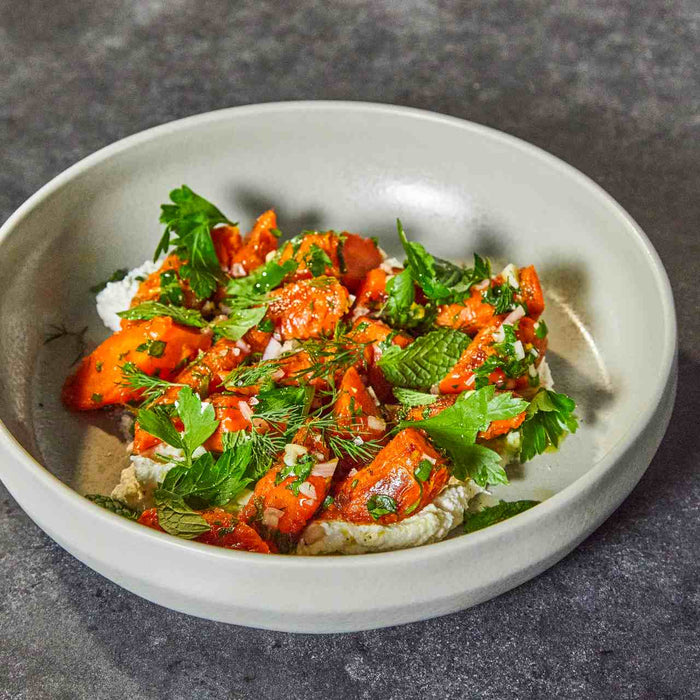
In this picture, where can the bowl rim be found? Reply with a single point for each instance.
(559, 501)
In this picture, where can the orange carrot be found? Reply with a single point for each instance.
(392, 475)
(156, 347)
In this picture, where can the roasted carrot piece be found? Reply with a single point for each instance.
(227, 242)
(152, 287)
(275, 510)
(357, 416)
(392, 474)
(205, 376)
(531, 292)
(158, 346)
(328, 243)
(469, 316)
(225, 531)
(227, 409)
(369, 330)
(354, 408)
(257, 244)
(308, 308)
(461, 376)
(371, 294)
(360, 255)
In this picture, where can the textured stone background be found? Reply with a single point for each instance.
(611, 87)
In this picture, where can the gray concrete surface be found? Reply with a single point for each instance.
(611, 87)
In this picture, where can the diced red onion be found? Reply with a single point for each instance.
(307, 489)
(374, 423)
(271, 516)
(325, 469)
(513, 316)
(243, 346)
(246, 410)
(237, 270)
(273, 349)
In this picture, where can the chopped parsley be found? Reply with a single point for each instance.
(380, 504)
(155, 348)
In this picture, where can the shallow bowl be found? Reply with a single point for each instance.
(458, 187)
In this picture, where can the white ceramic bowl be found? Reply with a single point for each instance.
(458, 187)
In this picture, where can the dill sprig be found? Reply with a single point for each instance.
(327, 356)
(154, 387)
(249, 375)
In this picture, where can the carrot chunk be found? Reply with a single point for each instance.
(360, 255)
(157, 347)
(308, 308)
(281, 507)
(392, 476)
(257, 244)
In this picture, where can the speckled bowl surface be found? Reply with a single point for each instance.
(458, 187)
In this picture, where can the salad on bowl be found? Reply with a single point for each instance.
(314, 396)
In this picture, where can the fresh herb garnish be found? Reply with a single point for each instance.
(300, 470)
(209, 482)
(151, 309)
(135, 378)
(317, 261)
(380, 504)
(251, 290)
(410, 397)
(422, 471)
(154, 348)
(495, 514)
(455, 430)
(116, 276)
(239, 322)
(401, 309)
(171, 292)
(426, 361)
(113, 505)
(198, 419)
(177, 518)
(501, 297)
(549, 417)
(188, 223)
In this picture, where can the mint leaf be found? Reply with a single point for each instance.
(549, 417)
(152, 309)
(239, 322)
(208, 482)
(199, 420)
(455, 430)
(410, 397)
(113, 505)
(495, 514)
(426, 361)
(177, 518)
